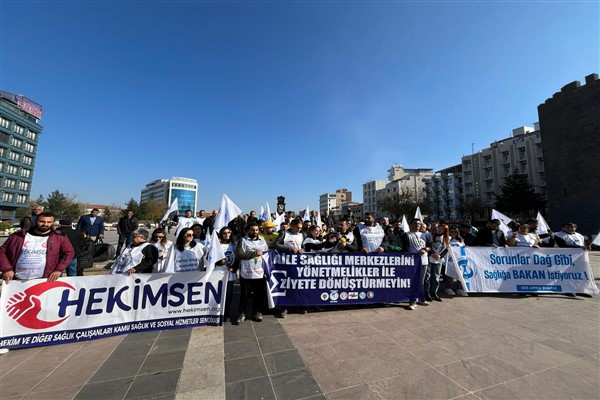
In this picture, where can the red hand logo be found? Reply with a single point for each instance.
(25, 306)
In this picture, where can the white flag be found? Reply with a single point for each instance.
(504, 221)
(319, 222)
(278, 221)
(405, 226)
(542, 227)
(306, 216)
(596, 241)
(214, 252)
(261, 215)
(174, 207)
(418, 214)
(268, 212)
(227, 212)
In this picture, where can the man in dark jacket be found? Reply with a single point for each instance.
(40, 252)
(127, 224)
(76, 240)
(491, 235)
(93, 224)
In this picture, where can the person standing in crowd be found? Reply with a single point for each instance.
(568, 237)
(394, 238)
(349, 216)
(313, 243)
(163, 245)
(184, 222)
(252, 219)
(76, 240)
(467, 236)
(491, 235)
(416, 241)
(37, 210)
(126, 225)
(347, 240)
(139, 257)
(209, 222)
(39, 252)
(229, 264)
(523, 238)
(200, 216)
(327, 219)
(92, 223)
(291, 239)
(186, 255)
(453, 287)
(546, 239)
(439, 248)
(199, 234)
(370, 236)
(268, 233)
(86, 253)
(252, 276)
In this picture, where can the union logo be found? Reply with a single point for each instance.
(24, 307)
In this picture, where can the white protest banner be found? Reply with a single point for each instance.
(39, 313)
(526, 270)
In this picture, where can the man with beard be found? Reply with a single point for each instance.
(39, 252)
(370, 236)
(252, 276)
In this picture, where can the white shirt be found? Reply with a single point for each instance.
(32, 260)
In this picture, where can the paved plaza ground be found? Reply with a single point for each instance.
(476, 347)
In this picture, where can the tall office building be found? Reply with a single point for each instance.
(185, 190)
(19, 135)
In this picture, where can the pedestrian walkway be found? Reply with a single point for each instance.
(478, 347)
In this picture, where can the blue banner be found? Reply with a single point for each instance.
(322, 279)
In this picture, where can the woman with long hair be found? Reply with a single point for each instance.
(185, 255)
(439, 248)
(159, 240)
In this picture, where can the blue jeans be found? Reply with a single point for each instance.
(432, 279)
(72, 267)
(124, 238)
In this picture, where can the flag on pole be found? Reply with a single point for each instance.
(268, 212)
(278, 221)
(543, 227)
(174, 207)
(418, 213)
(504, 221)
(306, 216)
(405, 226)
(262, 215)
(227, 212)
(319, 222)
(214, 252)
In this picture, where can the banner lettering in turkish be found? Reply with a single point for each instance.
(527, 270)
(38, 312)
(343, 278)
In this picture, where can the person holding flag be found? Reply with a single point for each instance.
(229, 263)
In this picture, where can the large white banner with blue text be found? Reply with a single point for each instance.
(525, 270)
(37, 312)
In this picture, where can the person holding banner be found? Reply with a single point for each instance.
(186, 255)
(291, 239)
(38, 252)
(523, 238)
(370, 236)
(253, 285)
(139, 257)
(567, 237)
(314, 241)
(159, 240)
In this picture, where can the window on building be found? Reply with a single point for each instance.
(29, 147)
(23, 185)
(8, 197)
(31, 135)
(14, 156)
(11, 169)
(27, 160)
(19, 129)
(21, 198)
(9, 183)
(2, 151)
(4, 138)
(25, 173)
(16, 142)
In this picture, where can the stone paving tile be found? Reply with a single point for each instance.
(19, 382)
(273, 344)
(262, 331)
(59, 393)
(132, 349)
(107, 390)
(349, 349)
(434, 354)
(323, 354)
(258, 388)
(378, 343)
(531, 357)
(244, 368)
(14, 358)
(553, 384)
(292, 385)
(155, 363)
(205, 336)
(370, 368)
(238, 333)
(241, 349)
(157, 384)
(203, 376)
(433, 383)
(335, 376)
(141, 336)
(165, 345)
(396, 388)
(570, 345)
(498, 392)
(69, 372)
(303, 340)
(470, 373)
(119, 368)
(283, 361)
(359, 392)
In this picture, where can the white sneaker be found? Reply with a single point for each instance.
(423, 303)
(462, 293)
(412, 305)
(450, 292)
